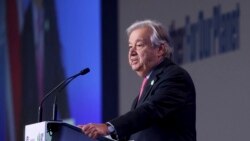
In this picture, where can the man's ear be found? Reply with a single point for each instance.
(161, 50)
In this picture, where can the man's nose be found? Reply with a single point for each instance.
(133, 48)
(133, 52)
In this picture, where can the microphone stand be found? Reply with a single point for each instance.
(54, 115)
(60, 85)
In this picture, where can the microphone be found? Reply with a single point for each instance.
(82, 72)
(60, 86)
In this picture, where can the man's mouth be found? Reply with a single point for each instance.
(133, 61)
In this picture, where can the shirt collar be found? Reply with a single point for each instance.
(149, 75)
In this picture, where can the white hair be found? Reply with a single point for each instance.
(159, 35)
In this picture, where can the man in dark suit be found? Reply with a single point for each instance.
(165, 108)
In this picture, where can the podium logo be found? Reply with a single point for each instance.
(28, 139)
(40, 137)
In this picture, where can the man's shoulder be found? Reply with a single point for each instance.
(173, 69)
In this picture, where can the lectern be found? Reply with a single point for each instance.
(56, 131)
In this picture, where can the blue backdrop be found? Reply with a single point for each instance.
(79, 28)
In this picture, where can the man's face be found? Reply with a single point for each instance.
(142, 55)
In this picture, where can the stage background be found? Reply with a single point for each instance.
(219, 67)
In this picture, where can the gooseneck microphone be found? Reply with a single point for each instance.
(59, 87)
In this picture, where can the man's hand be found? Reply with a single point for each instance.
(94, 130)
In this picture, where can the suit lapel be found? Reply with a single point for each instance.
(135, 102)
(154, 77)
(148, 87)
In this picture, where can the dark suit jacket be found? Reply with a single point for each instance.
(166, 110)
